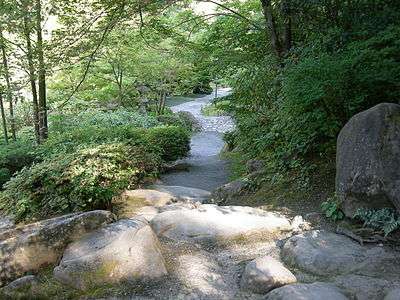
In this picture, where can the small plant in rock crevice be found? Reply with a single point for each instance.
(332, 210)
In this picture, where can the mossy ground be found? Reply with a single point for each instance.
(288, 194)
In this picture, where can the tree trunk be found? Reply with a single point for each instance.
(8, 84)
(32, 79)
(163, 100)
(271, 28)
(3, 118)
(43, 129)
(288, 34)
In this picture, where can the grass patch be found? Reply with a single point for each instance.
(216, 109)
(237, 164)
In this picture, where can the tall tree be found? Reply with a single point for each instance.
(32, 76)
(3, 118)
(42, 101)
(7, 78)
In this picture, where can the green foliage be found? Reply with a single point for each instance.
(88, 159)
(100, 118)
(176, 120)
(84, 180)
(13, 157)
(174, 142)
(170, 142)
(230, 138)
(331, 209)
(386, 220)
(291, 116)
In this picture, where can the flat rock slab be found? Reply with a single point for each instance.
(147, 201)
(181, 193)
(203, 277)
(329, 254)
(213, 223)
(364, 287)
(6, 223)
(393, 295)
(31, 247)
(314, 291)
(127, 250)
(265, 273)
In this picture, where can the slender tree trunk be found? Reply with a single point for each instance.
(288, 34)
(32, 79)
(43, 129)
(271, 28)
(8, 84)
(3, 119)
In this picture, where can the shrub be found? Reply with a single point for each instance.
(13, 157)
(85, 180)
(101, 119)
(165, 140)
(175, 120)
(173, 142)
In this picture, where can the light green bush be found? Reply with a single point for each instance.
(84, 180)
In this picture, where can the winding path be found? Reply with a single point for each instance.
(207, 170)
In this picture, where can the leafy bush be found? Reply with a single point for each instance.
(386, 220)
(85, 180)
(173, 142)
(170, 141)
(332, 210)
(175, 120)
(291, 116)
(101, 119)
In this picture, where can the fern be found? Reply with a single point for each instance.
(385, 219)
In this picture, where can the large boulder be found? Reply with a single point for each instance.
(314, 291)
(327, 254)
(29, 248)
(125, 251)
(368, 160)
(264, 274)
(213, 223)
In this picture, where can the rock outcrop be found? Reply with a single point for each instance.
(125, 251)
(29, 248)
(328, 254)
(264, 274)
(213, 223)
(368, 160)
